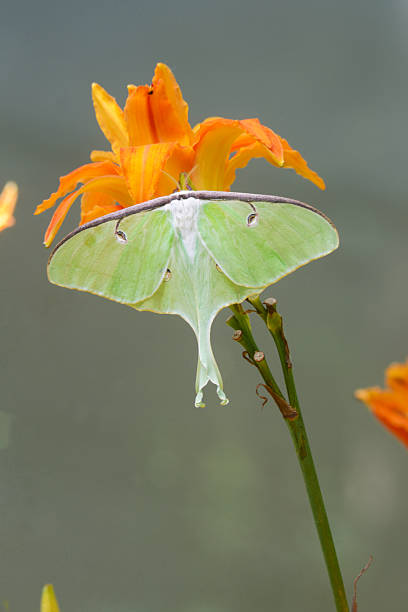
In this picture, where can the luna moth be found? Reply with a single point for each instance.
(192, 253)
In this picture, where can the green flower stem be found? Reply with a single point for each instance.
(294, 421)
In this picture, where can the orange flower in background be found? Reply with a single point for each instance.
(8, 201)
(390, 406)
(153, 145)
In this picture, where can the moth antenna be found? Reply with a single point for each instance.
(173, 179)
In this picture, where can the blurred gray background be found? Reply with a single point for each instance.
(112, 486)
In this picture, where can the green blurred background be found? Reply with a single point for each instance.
(112, 486)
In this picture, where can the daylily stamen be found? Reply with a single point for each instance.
(177, 184)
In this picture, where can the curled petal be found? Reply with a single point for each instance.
(262, 134)
(212, 153)
(242, 157)
(271, 146)
(217, 139)
(71, 180)
(110, 117)
(8, 200)
(294, 160)
(113, 186)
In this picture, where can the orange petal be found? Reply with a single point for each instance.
(70, 181)
(110, 117)
(58, 217)
(215, 138)
(251, 131)
(242, 157)
(294, 160)
(8, 201)
(277, 150)
(113, 186)
(265, 136)
(94, 205)
(98, 211)
(157, 113)
(169, 110)
(144, 166)
(138, 115)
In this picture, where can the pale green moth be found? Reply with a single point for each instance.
(192, 253)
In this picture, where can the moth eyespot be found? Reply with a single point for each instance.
(167, 276)
(218, 268)
(121, 236)
(252, 219)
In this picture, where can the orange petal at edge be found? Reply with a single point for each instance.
(396, 377)
(253, 131)
(113, 186)
(265, 136)
(79, 175)
(8, 201)
(395, 423)
(390, 408)
(294, 160)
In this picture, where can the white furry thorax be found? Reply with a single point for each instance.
(184, 215)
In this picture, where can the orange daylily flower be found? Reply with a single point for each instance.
(390, 405)
(8, 201)
(153, 144)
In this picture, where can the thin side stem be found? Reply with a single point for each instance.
(296, 426)
(241, 323)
